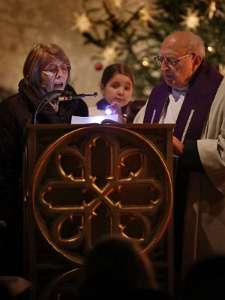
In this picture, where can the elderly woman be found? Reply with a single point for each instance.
(46, 74)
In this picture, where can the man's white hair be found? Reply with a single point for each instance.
(189, 40)
(196, 44)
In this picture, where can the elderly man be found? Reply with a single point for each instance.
(192, 96)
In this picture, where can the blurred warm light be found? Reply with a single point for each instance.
(109, 54)
(117, 3)
(210, 49)
(145, 62)
(191, 20)
(82, 22)
(212, 9)
(222, 69)
(144, 14)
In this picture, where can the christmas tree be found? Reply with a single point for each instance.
(131, 32)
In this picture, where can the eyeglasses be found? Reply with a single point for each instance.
(54, 69)
(170, 61)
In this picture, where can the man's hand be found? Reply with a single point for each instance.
(178, 146)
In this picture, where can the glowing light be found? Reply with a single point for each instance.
(117, 3)
(108, 111)
(109, 54)
(145, 62)
(210, 49)
(222, 69)
(146, 91)
(144, 14)
(191, 20)
(212, 9)
(82, 22)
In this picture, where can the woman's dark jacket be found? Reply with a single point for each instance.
(15, 113)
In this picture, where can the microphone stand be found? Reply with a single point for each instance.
(56, 95)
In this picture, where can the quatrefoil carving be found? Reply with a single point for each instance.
(97, 181)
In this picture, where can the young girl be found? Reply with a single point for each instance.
(117, 86)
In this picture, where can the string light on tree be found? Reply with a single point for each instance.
(145, 62)
(212, 9)
(146, 91)
(210, 49)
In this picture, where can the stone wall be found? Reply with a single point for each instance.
(24, 23)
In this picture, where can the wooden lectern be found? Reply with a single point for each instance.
(85, 182)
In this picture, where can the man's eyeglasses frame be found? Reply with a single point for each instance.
(171, 61)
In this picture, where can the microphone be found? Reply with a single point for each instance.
(71, 96)
(47, 98)
(59, 95)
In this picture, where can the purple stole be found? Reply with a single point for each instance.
(196, 106)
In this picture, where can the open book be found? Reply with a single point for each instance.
(95, 116)
(93, 119)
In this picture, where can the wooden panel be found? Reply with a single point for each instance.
(82, 183)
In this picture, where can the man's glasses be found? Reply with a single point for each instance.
(170, 61)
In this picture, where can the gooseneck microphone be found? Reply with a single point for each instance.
(70, 96)
(47, 98)
(57, 96)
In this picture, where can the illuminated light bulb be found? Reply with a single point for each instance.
(145, 62)
(210, 49)
(108, 111)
